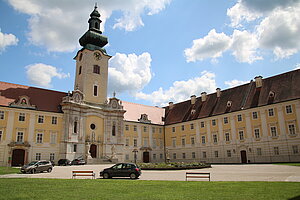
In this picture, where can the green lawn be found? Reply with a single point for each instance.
(137, 189)
(290, 164)
(9, 170)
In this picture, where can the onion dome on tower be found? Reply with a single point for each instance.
(93, 38)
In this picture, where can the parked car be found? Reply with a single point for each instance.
(122, 170)
(78, 161)
(64, 162)
(37, 166)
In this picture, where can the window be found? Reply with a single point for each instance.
(215, 138)
(276, 150)
(1, 133)
(21, 117)
(127, 157)
(271, 112)
(20, 136)
(95, 90)
(52, 156)
(79, 72)
(160, 130)
(295, 149)
(292, 129)
(39, 138)
(41, 119)
(1, 114)
(192, 126)
(161, 144)
(241, 135)
(273, 131)
(204, 154)
(135, 142)
(75, 127)
(174, 155)
(192, 140)
(174, 142)
(213, 122)
(239, 118)
(53, 138)
(127, 142)
(161, 156)
(38, 156)
(127, 127)
(256, 133)
(145, 128)
(288, 109)
(173, 129)
(193, 155)
(228, 153)
(54, 120)
(153, 129)
(183, 155)
(145, 142)
(134, 128)
(258, 150)
(227, 137)
(225, 120)
(96, 69)
(75, 148)
(183, 142)
(80, 57)
(202, 124)
(93, 126)
(113, 130)
(154, 156)
(203, 139)
(254, 115)
(216, 154)
(154, 143)
(182, 127)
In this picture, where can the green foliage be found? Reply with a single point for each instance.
(9, 170)
(290, 164)
(137, 189)
(171, 165)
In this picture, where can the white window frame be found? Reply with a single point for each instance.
(254, 115)
(53, 137)
(241, 135)
(271, 112)
(215, 138)
(192, 140)
(52, 156)
(38, 156)
(288, 109)
(225, 120)
(294, 128)
(39, 138)
(54, 120)
(239, 118)
(227, 137)
(213, 122)
(22, 117)
(203, 140)
(257, 133)
(173, 129)
(174, 142)
(2, 116)
(273, 130)
(192, 126)
(202, 124)
(40, 119)
(20, 136)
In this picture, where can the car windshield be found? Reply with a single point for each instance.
(32, 163)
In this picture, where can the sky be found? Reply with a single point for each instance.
(162, 50)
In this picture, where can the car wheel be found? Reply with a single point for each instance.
(33, 171)
(106, 175)
(49, 170)
(133, 176)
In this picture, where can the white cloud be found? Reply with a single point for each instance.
(7, 40)
(57, 25)
(211, 46)
(41, 74)
(297, 66)
(234, 83)
(129, 73)
(181, 90)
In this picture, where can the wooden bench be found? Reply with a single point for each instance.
(83, 173)
(197, 175)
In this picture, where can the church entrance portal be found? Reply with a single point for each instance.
(93, 150)
(18, 157)
(146, 157)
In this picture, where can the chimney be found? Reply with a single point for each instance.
(193, 99)
(218, 92)
(203, 96)
(171, 105)
(258, 81)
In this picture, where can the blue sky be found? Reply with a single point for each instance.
(163, 50)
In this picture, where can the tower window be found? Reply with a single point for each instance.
(75, 127)
(80, 70)
(96, 25)
(80, 57)
(113, 130)
(96, 69)
(95, 90)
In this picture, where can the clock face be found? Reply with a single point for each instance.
(97, 55)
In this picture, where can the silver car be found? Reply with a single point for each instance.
(37, 166)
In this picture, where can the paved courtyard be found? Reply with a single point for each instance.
(252, 172)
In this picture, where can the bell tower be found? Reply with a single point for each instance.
(92, 63)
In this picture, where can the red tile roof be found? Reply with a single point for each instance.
(44, 100)
(285, 86)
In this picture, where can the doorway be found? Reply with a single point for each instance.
(93, 151)
(18, 157)
(146, 157)
(243, 156)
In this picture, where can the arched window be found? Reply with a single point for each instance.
(113, 132)
(75, 127)
(80, 70)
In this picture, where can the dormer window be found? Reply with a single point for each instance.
(229, 104)
(271, 94)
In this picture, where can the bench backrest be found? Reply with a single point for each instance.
(82, 172)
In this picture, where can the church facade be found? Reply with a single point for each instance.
(256, 122)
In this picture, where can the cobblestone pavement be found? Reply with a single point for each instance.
(251, 172)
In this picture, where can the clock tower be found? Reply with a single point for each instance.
(92, 63)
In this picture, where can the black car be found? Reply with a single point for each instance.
(78, 161)
(122, 170)
(64, 162)
(37, 166)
